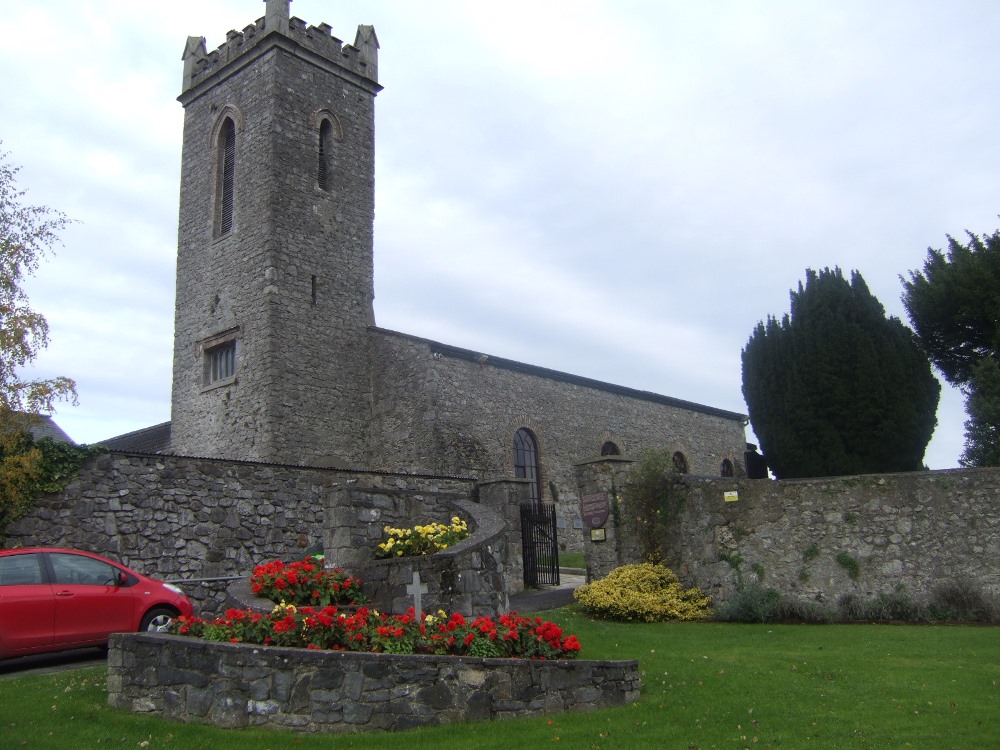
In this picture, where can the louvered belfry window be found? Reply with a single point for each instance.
(323, 170)
(220, 362)
(226, 177)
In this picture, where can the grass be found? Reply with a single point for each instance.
(572, 560)
(705, 685)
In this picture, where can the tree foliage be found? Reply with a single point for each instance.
(27, 235)
(835, 387)
(982, 429)
(653, 497)
(954, 306)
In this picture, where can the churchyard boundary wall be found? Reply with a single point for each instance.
(820, 538)
(187, 518)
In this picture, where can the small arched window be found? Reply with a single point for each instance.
(610, 449)
(526, 462)
(225, 179)
(680, 462)
(329, 135)
(726, 470)
(323, 168)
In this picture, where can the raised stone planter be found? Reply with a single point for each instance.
(240, 685)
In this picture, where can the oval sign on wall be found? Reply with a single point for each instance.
(594, 509)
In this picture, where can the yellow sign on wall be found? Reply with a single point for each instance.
(731, 496)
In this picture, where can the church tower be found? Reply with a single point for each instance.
(274, 257)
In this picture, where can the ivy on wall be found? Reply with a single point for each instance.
(653, 498)
(31, 468)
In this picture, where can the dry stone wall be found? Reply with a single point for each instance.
(185, 518)
(238, 685)
(822, 538)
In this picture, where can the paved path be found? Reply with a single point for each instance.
(548, 597)
(52, 663)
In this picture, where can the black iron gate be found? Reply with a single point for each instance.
(541, 549)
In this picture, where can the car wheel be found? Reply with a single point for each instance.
(157, 620)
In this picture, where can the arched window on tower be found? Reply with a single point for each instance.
(526, 462)
(680, 462)
(610, 449)
(225, 179)
(329, 135)
(325, 152)
(726, 470)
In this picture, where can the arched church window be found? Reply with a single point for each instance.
(726, 470)
(680, 462)
(225, 177)
(329, 134)
(610, 449)
(526, 462)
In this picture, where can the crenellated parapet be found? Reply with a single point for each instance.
(358, 61)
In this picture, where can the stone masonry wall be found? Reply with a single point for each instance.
(470, 577)
(435, 408)
(185, 518)
(292, 282)
(237, 685)
(909, 531)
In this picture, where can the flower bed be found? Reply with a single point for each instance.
(305, 582)
(421, 539)
(365, 630)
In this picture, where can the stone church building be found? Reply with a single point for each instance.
(277, 354)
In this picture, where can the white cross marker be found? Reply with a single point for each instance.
(416, 590)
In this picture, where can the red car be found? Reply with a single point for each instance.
(58, 599)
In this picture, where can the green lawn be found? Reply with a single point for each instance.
(705, 685)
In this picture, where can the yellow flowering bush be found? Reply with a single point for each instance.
(646, 592)
(421, 540)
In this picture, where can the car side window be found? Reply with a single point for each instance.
(80, 570)
(21, 570)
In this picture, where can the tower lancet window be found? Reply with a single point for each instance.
(225, 178)
(326, 157)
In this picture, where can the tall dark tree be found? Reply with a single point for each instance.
(982, 430)
(837, 388)
(954, 306)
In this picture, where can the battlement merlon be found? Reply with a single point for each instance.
(357, 63)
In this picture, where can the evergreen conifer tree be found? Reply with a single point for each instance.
(837, 388)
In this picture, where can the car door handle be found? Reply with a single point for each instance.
(64, 593)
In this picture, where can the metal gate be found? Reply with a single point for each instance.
(538, 540)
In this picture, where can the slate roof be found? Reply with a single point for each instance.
(43, 426)
(155, 439)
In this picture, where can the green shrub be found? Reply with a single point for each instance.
(646, 592)
(951, 601)
(756, 603)
(751, 603)
(893, 607)
(962, 601)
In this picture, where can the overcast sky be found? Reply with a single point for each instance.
(620, 190)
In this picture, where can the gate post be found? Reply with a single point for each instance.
(505, 496)
(603, 476)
